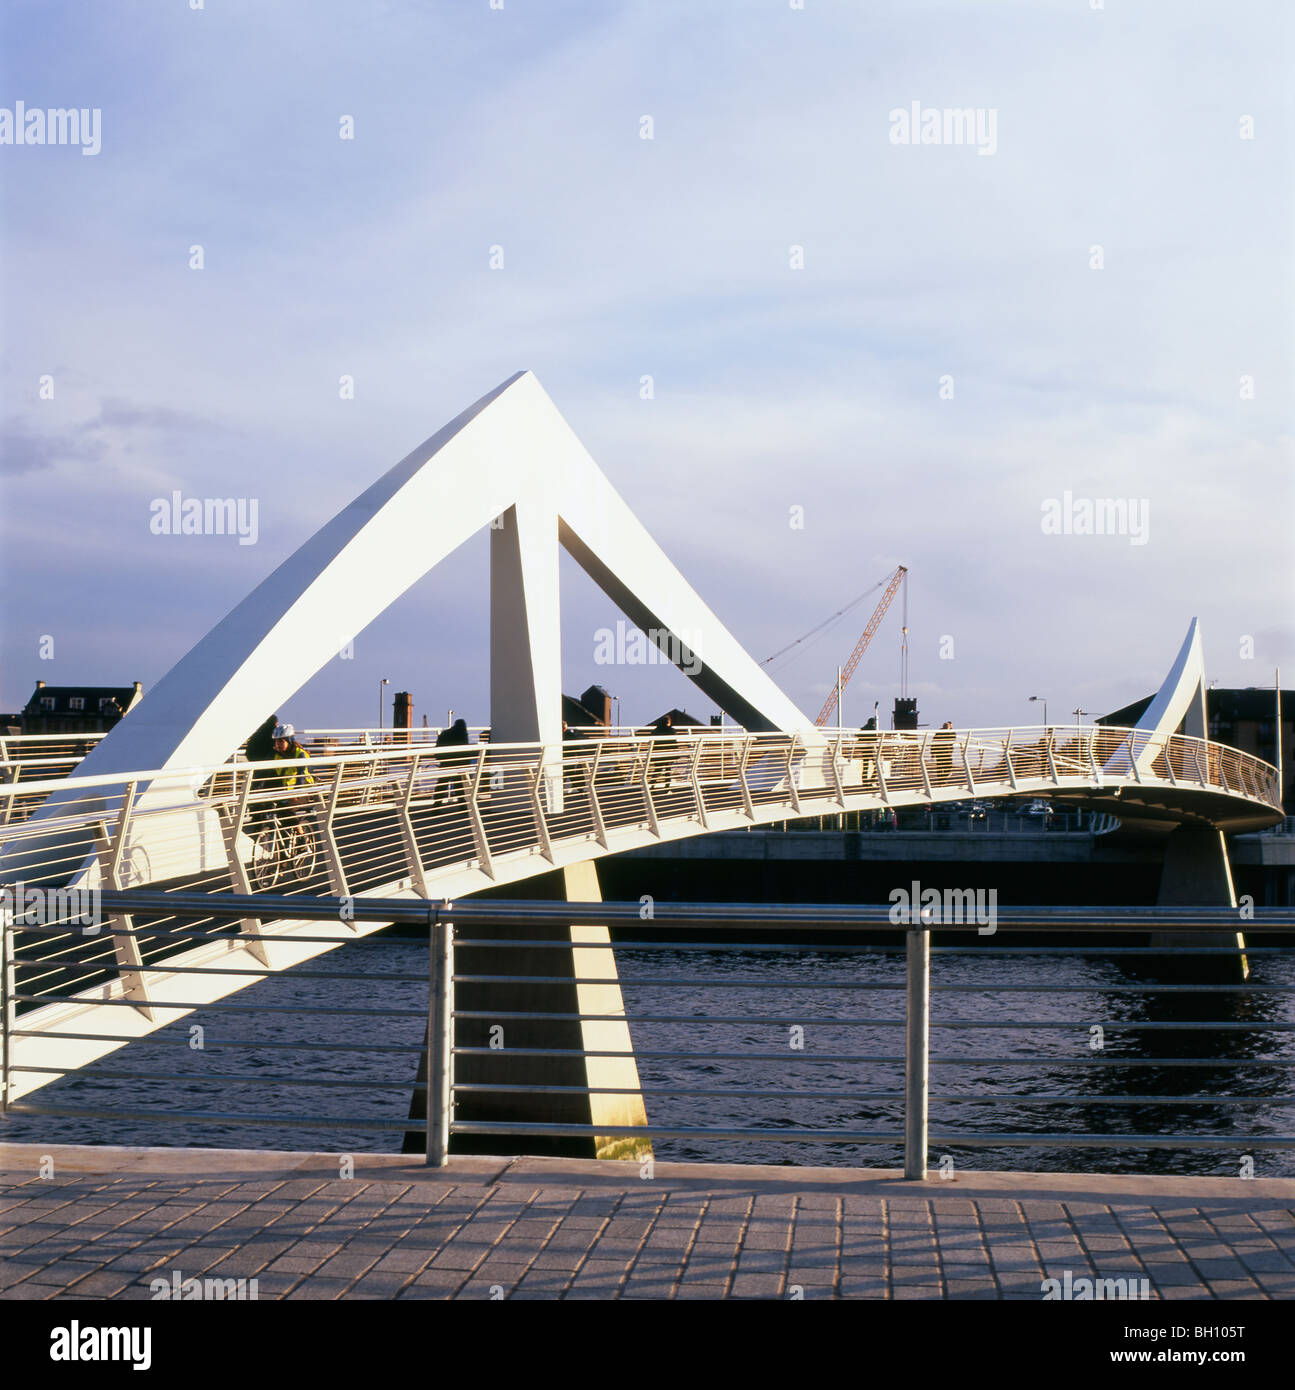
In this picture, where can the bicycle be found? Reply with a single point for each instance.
(279, 849)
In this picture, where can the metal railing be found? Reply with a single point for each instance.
(428, 823)
(897, 1002)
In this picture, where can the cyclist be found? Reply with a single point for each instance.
(285, 750)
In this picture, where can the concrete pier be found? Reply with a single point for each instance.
(116, 1223)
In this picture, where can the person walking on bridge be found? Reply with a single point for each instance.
(456, 736)
(942, 743)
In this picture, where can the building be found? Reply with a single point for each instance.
(1244, 719)
(78, 709)
(593, 708)
(679, 719)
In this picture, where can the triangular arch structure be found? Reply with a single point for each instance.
(510, 462)
(1180, 700)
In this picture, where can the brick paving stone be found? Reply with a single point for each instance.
(403, 1259)
(1220, 1269)
(1268, 1261)
(30, 1292)
(452, 1257)
(1231, 1288)
(757, 1285)
(287, 1265)
(320, 1289)
(862, 1286)
(102, 1284)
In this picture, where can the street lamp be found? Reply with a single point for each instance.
(1079, 717)
(1044, 698)
(381, 683)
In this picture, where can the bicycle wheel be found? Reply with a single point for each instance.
(301, 852)
(265, 859)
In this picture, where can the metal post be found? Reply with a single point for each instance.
(5, 1022)
(440, 1039)
(1281, 789)
(917, 1052)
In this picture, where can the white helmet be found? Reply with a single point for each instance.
(284, 731)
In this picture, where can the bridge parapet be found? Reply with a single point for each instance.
(440, 824)
(460, 818)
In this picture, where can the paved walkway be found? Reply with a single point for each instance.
(106, 1222)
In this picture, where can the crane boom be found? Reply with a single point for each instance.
(861, 645)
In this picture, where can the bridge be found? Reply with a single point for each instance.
(164, 804)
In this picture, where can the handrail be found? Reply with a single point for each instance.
(903, 1122)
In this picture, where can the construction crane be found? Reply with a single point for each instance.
(861, 646)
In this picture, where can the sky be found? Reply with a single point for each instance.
(803, 348)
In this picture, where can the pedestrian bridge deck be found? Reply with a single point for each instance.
(107, 1222)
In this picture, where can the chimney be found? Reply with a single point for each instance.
(40, 685)
(402, 710)
(599, 703)
(139, 685)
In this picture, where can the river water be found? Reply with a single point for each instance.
(1052, 1056)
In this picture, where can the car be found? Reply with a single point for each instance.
(1038, 807)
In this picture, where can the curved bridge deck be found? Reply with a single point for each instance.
(403, 819)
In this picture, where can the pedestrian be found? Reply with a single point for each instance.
(455, 737)
(943, 746)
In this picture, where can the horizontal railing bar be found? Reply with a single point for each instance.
(1117, 1061)
(821, 948)
(1112, 1141)
(220, 1006)
(654, 981)
(20, 1107)
(660, 1055)
(637, 1018)
(881, 1096)
(220, 934)
(1110, 1025)
(158, 1039)
(99, 1074)
(1098, 987)
(738, 1094)
(1106, 1141)
(798, 1056)
(715, 982)
(677, 1132)
(163, 968)
(498, 912)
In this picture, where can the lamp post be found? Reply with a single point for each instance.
(381, 683)
(1079, 717)
(1044, 698)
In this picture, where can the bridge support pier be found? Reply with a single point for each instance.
(1198, 873)
(590, 955)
